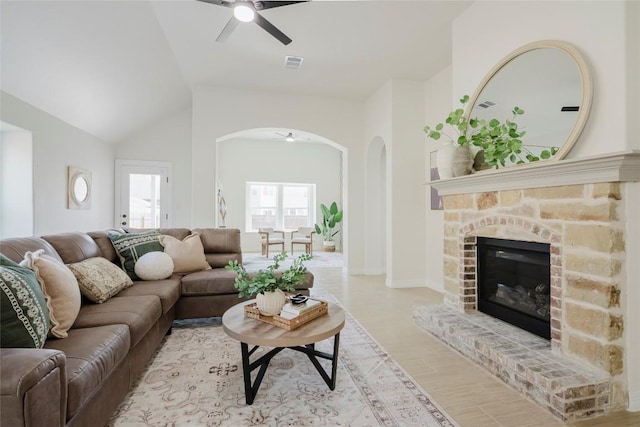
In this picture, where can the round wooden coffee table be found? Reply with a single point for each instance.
(256, 333)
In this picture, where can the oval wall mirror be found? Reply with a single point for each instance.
(551, 82)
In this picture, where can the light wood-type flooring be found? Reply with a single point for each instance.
(467, 392)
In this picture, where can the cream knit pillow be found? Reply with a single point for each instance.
(60, 289)
(187, 255)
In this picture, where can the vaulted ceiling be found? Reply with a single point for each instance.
(113, 68)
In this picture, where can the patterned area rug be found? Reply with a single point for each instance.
(195, 379)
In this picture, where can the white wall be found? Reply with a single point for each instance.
(407, 201)
(377, 137)
(632, 196)
(596, 29)
(242, 160)
(219, 112)
(437, 107)
(16, 182)
(57, 145)
(168, 141)
(607, 34)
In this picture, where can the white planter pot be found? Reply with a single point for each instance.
(454, 160)
(329, 246)
(444, 160)
(270, 303)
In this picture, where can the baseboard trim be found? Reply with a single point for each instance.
(634, 401)
(436, 286)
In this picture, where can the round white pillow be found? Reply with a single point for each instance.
(154, 266)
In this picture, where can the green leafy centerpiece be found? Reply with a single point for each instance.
(268, 284)
(500, 141)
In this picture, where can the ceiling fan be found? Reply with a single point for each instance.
(247, 11)
(290, 137)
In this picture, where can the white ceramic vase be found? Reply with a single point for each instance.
(454, 160)
(444, 160)
(270, 303)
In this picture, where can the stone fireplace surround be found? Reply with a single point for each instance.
(575, 206)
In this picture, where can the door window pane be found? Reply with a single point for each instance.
(144, 201)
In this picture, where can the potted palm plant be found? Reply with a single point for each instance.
(268, 284)
(331, 217)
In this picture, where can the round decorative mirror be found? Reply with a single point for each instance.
(79, 188)
(551, 82)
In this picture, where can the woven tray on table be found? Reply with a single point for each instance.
(251, 310)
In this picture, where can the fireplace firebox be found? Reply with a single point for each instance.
(513, 283)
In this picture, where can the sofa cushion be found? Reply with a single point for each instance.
(99, 279)
(221, 245)
(73, 247)
(210, 282)
(104, 243)
(140, 313)
(154, 266)
(131, 246)
(24, 316)
(92, 354)
(187, 254)
(60, 289)
(14, 248)
(167, 290)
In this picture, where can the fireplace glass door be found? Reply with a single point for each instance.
(513, 283)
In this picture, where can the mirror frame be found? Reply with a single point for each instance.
(73, 201)
(586, 83)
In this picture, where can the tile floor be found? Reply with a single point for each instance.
(471, 395)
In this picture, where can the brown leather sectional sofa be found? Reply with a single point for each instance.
(80, 380)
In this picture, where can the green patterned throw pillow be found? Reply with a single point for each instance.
(24, 317)
(131, 246)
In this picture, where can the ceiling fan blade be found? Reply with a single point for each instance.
(262, 5)
(228, 29)
(218, 2)
(271, 29)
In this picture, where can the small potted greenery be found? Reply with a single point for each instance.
(499, 141)
(268, 284)
(331, 217)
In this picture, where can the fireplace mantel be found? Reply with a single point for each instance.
(615, 167)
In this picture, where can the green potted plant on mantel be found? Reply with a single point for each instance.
(331, 217)
(498, 141)
(268, 284)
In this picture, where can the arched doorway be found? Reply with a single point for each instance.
(266, 155)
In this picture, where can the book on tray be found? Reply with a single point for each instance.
(290, 311)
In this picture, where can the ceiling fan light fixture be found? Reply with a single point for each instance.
(243, 12)
(290, 138)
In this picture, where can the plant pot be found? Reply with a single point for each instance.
(444, 160)
(270, 303)
(329, 246)
(454, 160)
(462, 160)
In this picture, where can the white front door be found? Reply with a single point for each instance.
(142, 194)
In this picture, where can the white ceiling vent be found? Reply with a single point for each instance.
(293, 62)
(486, 104)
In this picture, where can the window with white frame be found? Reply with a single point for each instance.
(279, 205)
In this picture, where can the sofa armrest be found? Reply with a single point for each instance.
(33, 387)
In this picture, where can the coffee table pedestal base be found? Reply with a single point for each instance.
(251, 390)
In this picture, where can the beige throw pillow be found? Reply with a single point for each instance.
(60, 289)
(187, 255)
(99, 278)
